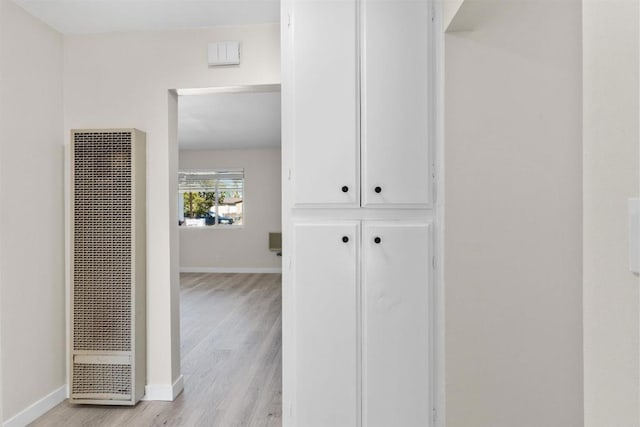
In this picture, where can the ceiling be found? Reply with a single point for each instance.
(220, 121)
(100, 16)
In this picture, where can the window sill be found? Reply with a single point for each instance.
(214, 227)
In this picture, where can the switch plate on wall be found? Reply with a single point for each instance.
(224, 53)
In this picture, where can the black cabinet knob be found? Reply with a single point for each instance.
(345, 188)
(378, 189)
(345, 239)
(377, 240)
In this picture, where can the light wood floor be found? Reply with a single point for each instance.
(231, 360)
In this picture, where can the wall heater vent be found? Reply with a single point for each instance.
(108, 292)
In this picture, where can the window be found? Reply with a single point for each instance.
(211, 198)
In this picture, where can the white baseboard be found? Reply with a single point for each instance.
(230, 270)
(37, 409)
(164, 392)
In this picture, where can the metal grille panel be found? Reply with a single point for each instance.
(102, 242)
(106, 379)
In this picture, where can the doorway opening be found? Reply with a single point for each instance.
(229, 223)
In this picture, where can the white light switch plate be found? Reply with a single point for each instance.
(224, 53)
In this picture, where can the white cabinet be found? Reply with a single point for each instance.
(324, 103)
(374, 332)
(325, 324)
(360, 94)
(358, 163)
(396, 324)
(396, 158)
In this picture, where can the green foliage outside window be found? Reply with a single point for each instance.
(198, 203)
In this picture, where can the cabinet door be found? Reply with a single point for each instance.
(396, 325)
(325, 326)
(325, 109)
(395, 103)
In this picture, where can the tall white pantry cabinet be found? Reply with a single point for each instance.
(358, 213)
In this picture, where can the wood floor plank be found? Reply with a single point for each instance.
(231, 347)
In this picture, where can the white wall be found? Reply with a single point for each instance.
(32, 292)
(449, 10)
(245, 247)
(513, 210)
(611, 175)
(121, 80)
